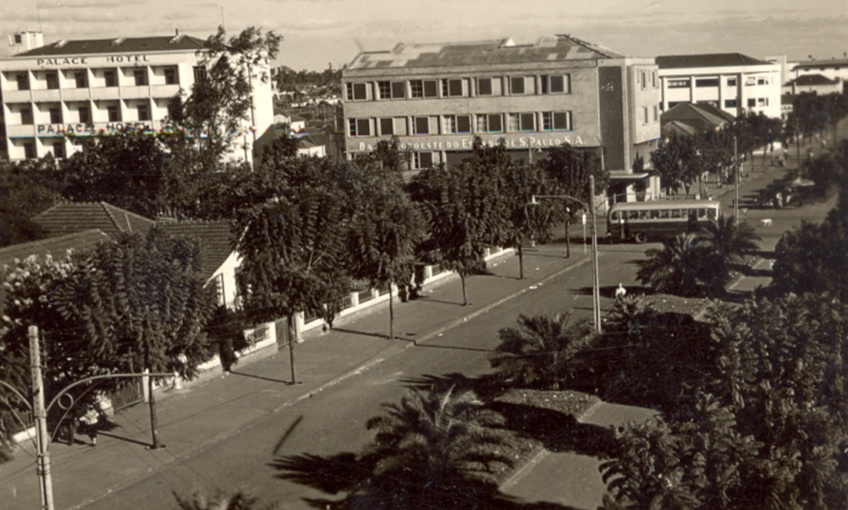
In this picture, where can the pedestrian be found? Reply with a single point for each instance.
(91, 421)
(620, 292)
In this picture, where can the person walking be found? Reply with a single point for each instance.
(620, 292)
(91, 420)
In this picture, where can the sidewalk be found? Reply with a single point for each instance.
(190, 419)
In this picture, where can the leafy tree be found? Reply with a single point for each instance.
(385, 230)
(219, 104)
(126, 170)
(685, 267)
(26, 189)
(812, 258)
(541, 352)
(732, 240)
(464, 208)
(673, 159)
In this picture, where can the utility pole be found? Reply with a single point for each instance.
(596, 284)
(736, 178)
(42, 440)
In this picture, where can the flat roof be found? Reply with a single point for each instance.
(558, 48)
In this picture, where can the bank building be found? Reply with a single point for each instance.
(436, 98)
(100, 86)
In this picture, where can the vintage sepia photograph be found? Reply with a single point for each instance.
(441, 255)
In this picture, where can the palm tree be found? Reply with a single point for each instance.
(429, 449)
(540, 352)
(680, 267)
(731, 239)
(239, 500)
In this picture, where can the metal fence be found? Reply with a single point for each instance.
(130, 393)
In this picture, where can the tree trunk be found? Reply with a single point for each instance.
(464, 294)
(391, 315)
(520, 261)
(292, 338)
(151, 400)
(567, 240)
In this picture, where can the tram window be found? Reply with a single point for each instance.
(655, 214)
(632, 215)
(702, 213)
(664, 214)
(675, 213)
(614, 216)
(643, 215)
(711, 214)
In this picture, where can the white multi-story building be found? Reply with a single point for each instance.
(833, 68)
(734, 82)
(100, 86)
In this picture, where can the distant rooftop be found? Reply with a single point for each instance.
(708, 60)
(835, 62)
(215, 238)
(813, 79)
(120, 45)
(503, 51)
(71, 217)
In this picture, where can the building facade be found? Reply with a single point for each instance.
(814, 84)
(436, 98)
(98, 87)
(835, 68)
(734, 82)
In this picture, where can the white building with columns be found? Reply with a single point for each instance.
(100, 86)
(734, 82)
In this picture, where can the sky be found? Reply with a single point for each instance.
(322, 32)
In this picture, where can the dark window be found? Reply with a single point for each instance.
(452, 88)
(706, 82)
(423, 160)
(416, 88)
(140, 76)
(422, 125)
(52, 80)
(731, 82)
(731, 103)
(522, 122)
(29, 150)
(55, 115)
(484, 86)
(494, 123)
(199, 73)
(110, 78)
(752, 101)
(677, 84)
(516, 85)
(26, 116)
(58, 149)
(114, 113)
(463, 123)
(387, 127)
(431, 88)
(18, 39)
(171, 76)
(398, 90)
(363, 127)
(654, 78)
(143, 112)
(385, 89)
(81, 78)
(556, 121)
(23, 81)
(84, 115)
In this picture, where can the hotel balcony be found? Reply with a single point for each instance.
(17, 96)
(46, 95)
(161, 91)
(20, 131)
(83, 94)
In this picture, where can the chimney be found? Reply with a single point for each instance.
(177, 32)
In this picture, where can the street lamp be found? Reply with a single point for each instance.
(596, 293)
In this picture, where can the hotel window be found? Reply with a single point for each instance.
(422, 160)
(110, 78)
(84, 115)
(421, 125)
(556, 121)
(55, 115)
(452, 87)
(654, 78)
(731, 103)
(398, 90)
(199, 73)
(81, 79)
(171, 76)
(731, 82)
(140, 76)
(656, 113)
(384, 89)
(29, 150)
(23, 81)
(387, 127)
(360, 127)
(522, 122)
(706, 82)
(26, 117)
(645, 114)
(752, 102)
(484, 86)
(516, 85)
(762, 101)
(357, 91)
(52, 79)
(678, 84)
(644, 79)
(456, 124)
(143, 112)
(556, 84)
(763, 80)
(58, 149)
(489, 123)
(750, 80)
(114, 113)
(423, 88)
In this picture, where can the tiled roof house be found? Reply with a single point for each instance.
(71, 217)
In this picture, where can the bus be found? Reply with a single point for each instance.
(640, 221)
